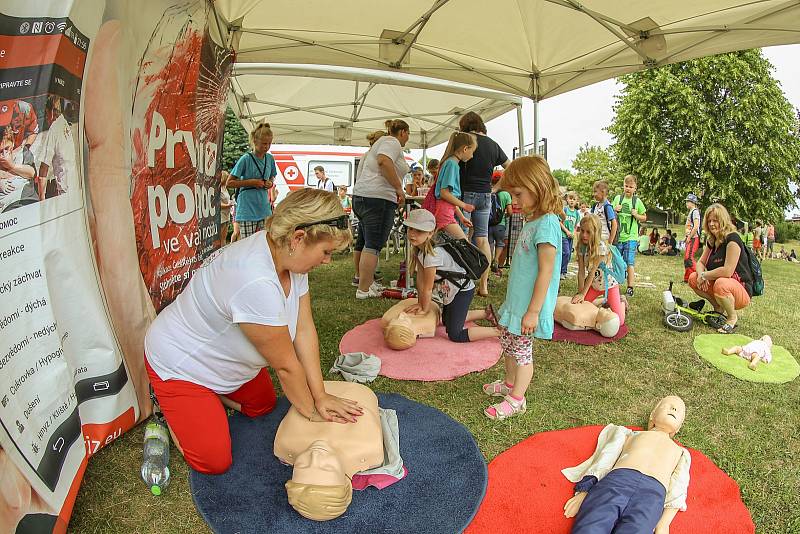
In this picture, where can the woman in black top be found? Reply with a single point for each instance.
(476, 185)
(723, 274)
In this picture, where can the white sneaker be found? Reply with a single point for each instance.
(372, 292)
(377, 287)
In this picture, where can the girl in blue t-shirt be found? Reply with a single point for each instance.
(532, 283)
(447, 190)
(253, 175)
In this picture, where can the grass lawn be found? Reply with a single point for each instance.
(751, 431)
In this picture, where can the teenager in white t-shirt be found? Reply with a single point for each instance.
(245, 308)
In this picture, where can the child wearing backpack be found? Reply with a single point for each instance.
(605, 211)
(532, 283)
(692, 236)
(444, 197)
(595, 263)
(630, 212)
(431, 285)
(568, 226)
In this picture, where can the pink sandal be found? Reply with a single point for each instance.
(498, 388)
(508, 408)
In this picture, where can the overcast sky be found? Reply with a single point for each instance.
(572, 119)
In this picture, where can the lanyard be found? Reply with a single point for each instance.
(261, 170)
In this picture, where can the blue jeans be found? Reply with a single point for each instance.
(566, 253)
(479, 217)
(498, 235)
(375, 221)
(454, 315)
(627, 250)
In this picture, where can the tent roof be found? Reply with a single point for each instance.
(533, 48)
(314, 104)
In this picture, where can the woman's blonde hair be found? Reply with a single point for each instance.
(307, 206)
(724, 222)
(260, 131)
(458, 140)
(374, 136)
(591, 223)
(319, 503)
(533, 173)
(396, 126)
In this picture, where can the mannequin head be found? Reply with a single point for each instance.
(767, 340)
(668, 415)
(606, 322)
(319, 489)
(399, 334)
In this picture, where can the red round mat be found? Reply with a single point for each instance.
(527, 491)
(586, 337)
(435, 358)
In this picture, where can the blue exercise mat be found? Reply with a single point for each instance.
(445, 484)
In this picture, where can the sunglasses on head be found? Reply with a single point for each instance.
(337, 222)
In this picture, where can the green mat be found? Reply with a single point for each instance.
(783, 367)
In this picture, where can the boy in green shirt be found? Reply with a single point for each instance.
(630, 212)
(568, 224)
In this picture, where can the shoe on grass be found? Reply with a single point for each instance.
(371, 293)
(629, 291)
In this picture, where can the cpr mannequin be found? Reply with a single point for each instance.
(326, 455)
(401, 330)
(633, 478)
(586, 316)
(758, 350)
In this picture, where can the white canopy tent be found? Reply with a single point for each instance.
(532, 48)
(313, 104)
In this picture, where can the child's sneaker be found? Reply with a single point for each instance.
(498, 388)
(508, 408)
(629, 291)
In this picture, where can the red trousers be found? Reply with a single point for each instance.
(689, 263)
(198, 420)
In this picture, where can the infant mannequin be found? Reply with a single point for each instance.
(326, 455)
(758, 350)
(633, 479)
(401, 330)
(586, 316)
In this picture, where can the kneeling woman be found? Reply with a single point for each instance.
(723, 274)
(455, 300)
(246, 307)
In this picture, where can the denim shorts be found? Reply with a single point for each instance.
(375, 221)
(479, 217)
(498, 235)
(628, 251)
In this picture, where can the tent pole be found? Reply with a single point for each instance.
(520, 131)
(424, 150)
(536, 132)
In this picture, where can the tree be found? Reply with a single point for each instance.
(234, 142)
(593, 163)
(562, 176)
(718, 126)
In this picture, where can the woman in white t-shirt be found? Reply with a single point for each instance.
(245, 308)
(376, 195)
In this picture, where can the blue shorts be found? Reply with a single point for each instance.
(498, 235)
(479, 217)
(623, 502)
(375, 221)
(628, 251)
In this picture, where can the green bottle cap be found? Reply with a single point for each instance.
(155, 490)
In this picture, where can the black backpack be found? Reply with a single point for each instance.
(466, 255)
(496, 213)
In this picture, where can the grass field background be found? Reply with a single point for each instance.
(751, 431)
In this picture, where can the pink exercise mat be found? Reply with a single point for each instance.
(586, 337)
(431, 359)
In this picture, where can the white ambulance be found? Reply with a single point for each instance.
(296, 165)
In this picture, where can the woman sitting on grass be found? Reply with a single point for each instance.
(723, 274)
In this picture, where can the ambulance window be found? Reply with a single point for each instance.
(340, 172)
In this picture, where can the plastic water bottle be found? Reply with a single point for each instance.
(155, 468)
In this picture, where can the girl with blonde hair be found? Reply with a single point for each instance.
(532, 283)
(594, 257)
(723, 276)
(444, 197)
(246, 308)
(253, 175)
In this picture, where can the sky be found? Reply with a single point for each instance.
(581, 116)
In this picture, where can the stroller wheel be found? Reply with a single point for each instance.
(678, 322)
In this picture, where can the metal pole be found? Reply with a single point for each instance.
(520, 130)
(536, 132)
(424, 150)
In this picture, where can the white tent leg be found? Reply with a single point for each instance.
(536, 132)
(520, 131)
